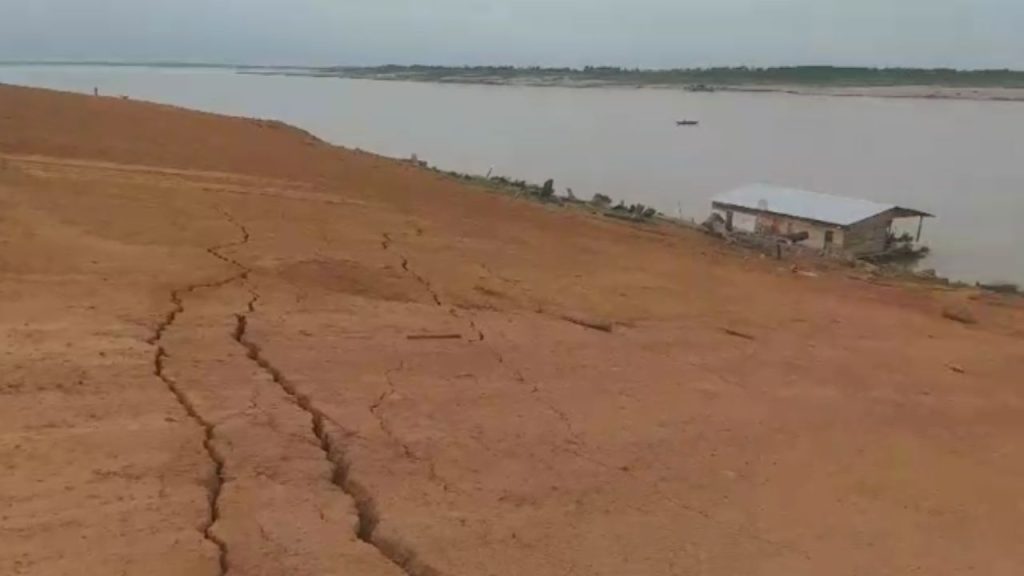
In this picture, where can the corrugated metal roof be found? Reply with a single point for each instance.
(826, 208)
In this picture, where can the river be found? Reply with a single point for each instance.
(959, 159)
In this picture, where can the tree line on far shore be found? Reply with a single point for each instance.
(724, 76)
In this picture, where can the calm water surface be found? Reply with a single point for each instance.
(961, 160)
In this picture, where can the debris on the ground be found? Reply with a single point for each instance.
(868, 267)
(959, 313)
(956, 368)
(434, 337)
(1001, 287)
(738, 334)
(598, 325)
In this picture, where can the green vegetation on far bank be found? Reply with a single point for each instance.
(698, 79)
(691, 77)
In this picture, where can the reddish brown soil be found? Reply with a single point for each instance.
(206, 366)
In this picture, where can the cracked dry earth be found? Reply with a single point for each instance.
(228, 348)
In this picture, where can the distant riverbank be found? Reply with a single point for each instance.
(994, 85)
(987, 85)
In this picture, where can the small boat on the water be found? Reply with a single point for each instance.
(687, 122)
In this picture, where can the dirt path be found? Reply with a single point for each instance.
(227, 348)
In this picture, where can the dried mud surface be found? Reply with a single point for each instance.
(229, 348)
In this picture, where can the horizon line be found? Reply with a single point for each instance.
(214, 64)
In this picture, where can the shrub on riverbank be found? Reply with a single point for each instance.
(546, 193)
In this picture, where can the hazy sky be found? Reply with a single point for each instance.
(650, 33)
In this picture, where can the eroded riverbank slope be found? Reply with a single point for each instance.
(231, 348)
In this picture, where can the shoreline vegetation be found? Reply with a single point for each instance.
(599, 204)
(605, 206)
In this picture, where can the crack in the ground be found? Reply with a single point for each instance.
(377, 410)
(386, 245)
(215, 251)
(217, 482)
(474, 328)
(367, 515)
(575, 444)
(177, 297)
(574, 438)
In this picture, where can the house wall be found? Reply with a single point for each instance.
(744, 222)
(868, 236)
(741, 221)
(772, 224)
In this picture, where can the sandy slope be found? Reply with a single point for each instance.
(206, 365)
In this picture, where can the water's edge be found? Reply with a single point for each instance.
(957, 159)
